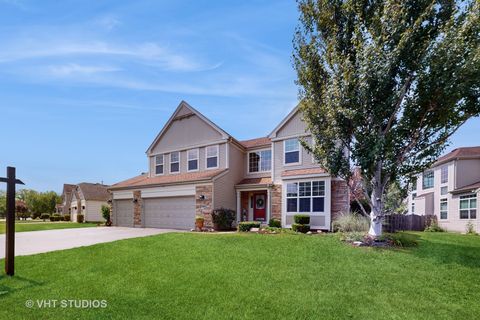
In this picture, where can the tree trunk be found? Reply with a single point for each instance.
(376, 213)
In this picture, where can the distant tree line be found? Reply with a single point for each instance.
(31, 203)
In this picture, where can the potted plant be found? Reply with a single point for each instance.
(199, 222)
(222, 219)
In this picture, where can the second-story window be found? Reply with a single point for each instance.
(428, 179)
(444, 174)
(193, 160)
(260, 161)
(292, 151)
(212, 157)
(159, 164)
(175, 162)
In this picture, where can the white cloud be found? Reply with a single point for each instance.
(76, 69)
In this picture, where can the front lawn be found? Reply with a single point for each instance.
(235, 276)
(21, 226)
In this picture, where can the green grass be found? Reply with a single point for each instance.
(235, 276)
(39, 225)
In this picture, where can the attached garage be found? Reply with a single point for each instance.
(124, 213)
(169, 212)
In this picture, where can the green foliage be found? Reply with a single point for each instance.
(352, 236)
(44, 216)
(39, 202)
(301, 219)
(275, 223)
(3, 203)
(106, 212)
(223, 218)
(302, 228)
(389, 81)
(395, 199)
(22, 215)
(66, 217)
(400, 239)
(351, 222)
(470, 229)
(434, 227)
(80, 218)
(245, 226)
(56, 217)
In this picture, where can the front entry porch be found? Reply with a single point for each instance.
(254, 202)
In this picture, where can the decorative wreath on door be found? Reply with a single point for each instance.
(260, 202)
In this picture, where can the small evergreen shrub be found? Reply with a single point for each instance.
(56, 217)
(301, 219)
(275, 223)
(45, 216)
(223, 218)
(245, 226)
(106, 214)
(351, 222)
(302, 228)
(66, 217)
(80, 218)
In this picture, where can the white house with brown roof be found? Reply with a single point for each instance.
(450, 189)
(85, 198)
(195, 167)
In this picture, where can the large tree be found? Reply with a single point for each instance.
(385, 83)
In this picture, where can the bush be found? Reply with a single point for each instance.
(353, 236)
(22, 215)
(223, 218)
(245, 226)
(80, 218)
(275, 223)
(470, 229)
(45, 216)
(66, 217)
(35, 215)
(400, 239)
(434, 227)
(106, 214)
(56, 217)
(301, 219)
(351, 222)
(302, 228)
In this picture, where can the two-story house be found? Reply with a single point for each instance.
(195, 167)
(449, 190)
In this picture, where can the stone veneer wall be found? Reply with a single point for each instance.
(276, 194)
(204, 207)
(137, 209)
(340, 198)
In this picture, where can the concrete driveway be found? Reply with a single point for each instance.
(33, 242)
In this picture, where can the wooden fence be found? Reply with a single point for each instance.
(401, 222)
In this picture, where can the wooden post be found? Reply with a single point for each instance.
(10, 223)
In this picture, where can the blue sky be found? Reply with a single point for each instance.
(87, 85)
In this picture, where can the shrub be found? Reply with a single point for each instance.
(35, 215)
(223, 218)
(302, 228)
(66, 217)
(80, 218)
(106, 214)
(470, 229)
(22, 215)
(351, 222)
(353, 236)
(245, 226)
(301, 219)
(56, 217)
(275, 223)
(44, 216)
(400, 239)
(433, 227)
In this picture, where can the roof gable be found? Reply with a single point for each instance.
(184, 110)
(284, 122)
(93, 191)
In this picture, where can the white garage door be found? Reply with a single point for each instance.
(124, 213)
(171, 212)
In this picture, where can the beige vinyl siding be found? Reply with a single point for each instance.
(294, 126)
(224, 194)
(454, 223)
(185, 133)
(306, 160)
(468, 172)
(93, 210)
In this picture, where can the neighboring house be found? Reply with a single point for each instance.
(87, 199)
(450, 189)
(195, 167)
(64, 207)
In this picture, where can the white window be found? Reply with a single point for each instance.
(468, 206)
(443, 209)
(260, 161)
(444, 174)
(291, 151)
(443, 191)
(159, 164)
(306, 197)
(428, 179)
(212, 157)
(175, 162)
(192, 160)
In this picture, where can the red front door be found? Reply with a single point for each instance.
(260, 206)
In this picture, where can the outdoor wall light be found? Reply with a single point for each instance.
(202, 197)
(135, 200)
(109, 201)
